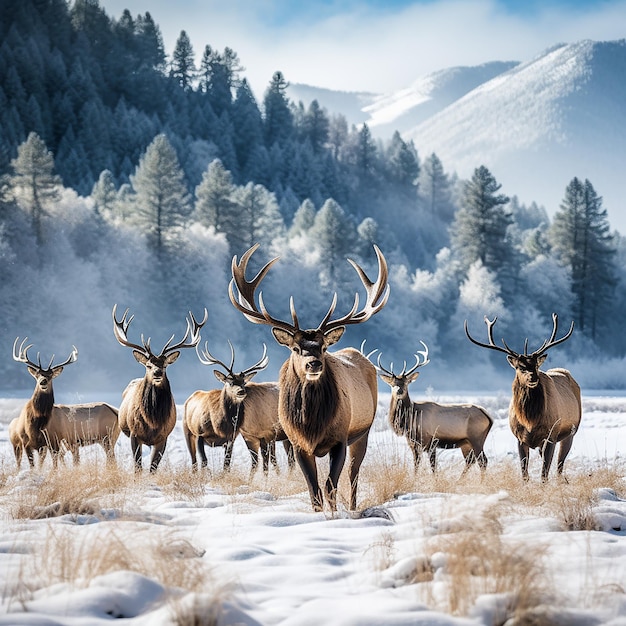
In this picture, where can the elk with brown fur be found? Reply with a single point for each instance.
(43, 424)
(545, 407)
(215, 417)
(148, 413)
(327, 401)
(430, 425)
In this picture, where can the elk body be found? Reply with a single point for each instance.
(42, 424)
(217, 416)
(147, 413)
(327, 401)
(545, 407)
(429, 425)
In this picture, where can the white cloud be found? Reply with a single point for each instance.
(372, 50)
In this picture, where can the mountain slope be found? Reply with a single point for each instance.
(540, 124)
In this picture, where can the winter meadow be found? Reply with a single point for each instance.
(161, 223)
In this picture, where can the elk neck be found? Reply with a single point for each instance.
(308, 405)
(42, 403)
(400, 413)
(528, 402)
(231, 417)
(156, 400)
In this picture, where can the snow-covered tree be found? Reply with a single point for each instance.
(183, 67)
(214, 198)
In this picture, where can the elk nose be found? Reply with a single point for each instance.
(313, 366)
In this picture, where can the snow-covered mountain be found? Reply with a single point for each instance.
(536, 126)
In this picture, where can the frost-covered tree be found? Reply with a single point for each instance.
(582, 241)
(161, 201)
(278, 120)
(303, 219)
(403, 164)
(435, 189)
(104, 194)
(215, 205)
(33, 184)
(479, 230)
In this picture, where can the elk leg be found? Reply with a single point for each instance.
(271, 448)
(266, 452)
(564, 448)
(191, 441)
(524, 451)
(157, 455)
(357, 454)
(432, 455)
(18, 450)
(254, 456)
(30, 457)
(416, 449)
(135, 447)
(291, 458)
(468, 455)
(547, 452)
(201, 452)
(309, 469)
(337, 457)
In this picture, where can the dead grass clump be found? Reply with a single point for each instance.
(479, 561)
(75, 490)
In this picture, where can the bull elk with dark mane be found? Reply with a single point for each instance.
(429, 425)
(215, 417)
(148, 413)
(545, 407)
(327, 401)
(42, 424)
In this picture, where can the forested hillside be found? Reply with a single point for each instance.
(132, 177)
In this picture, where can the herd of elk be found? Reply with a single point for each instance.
(217, 416)
(429, 425)
(327, 401)
(147, 413)
(43, 425)
(323, 403)
(545, 407)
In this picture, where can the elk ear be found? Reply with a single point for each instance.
(334, 335)
(541, 359)
(170, 358)
(283, 337)
(248, 377)
(513, 362)
(56, 371)
(386, 379)
(32, 371)
(412, 377)
(220, 376)
(140, 357)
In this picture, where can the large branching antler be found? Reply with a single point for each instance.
(21, 356)
(190, 339)
(421, 358)
(547, 344)
(206, 358)
(377, 295)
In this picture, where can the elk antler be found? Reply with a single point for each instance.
(547, 344)
(22, 356)
(120, 329)
(421, 358)
(377, 295)
(206, 358)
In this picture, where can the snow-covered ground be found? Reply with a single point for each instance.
(268, 559)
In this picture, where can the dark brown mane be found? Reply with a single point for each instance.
(156, 402)
(529, 403)
(232, 417)
(42, 403)
(309, 405)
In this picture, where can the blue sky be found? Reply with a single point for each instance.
(375, 45)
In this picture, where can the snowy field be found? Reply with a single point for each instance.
(263, 557)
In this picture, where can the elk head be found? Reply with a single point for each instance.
(156, 364)
(526, 365)
(42, 375)
(307, 346)
(399, 383)
(234, 383)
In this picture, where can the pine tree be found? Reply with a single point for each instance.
(435, 189)
(161, 199)
(247, 127)
(479, 230)
(104, 194)
(278, 119)
(214, 197)
(581, 239)
(33, 183)
(183, 68)
(303, 219)
(403, 164)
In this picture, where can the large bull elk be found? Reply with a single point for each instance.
(42, 424)
(327, 401)
(217, 416)
(545, 407)
(429, 425)
(148, 413)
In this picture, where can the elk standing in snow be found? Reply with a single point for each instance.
(43, 424)
(327, 401)
(148, 413)
(429, 425)
(217, 416)
(545, 407)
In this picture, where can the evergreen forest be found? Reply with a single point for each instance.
(132, 177)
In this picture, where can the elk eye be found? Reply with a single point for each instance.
(296, 349)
